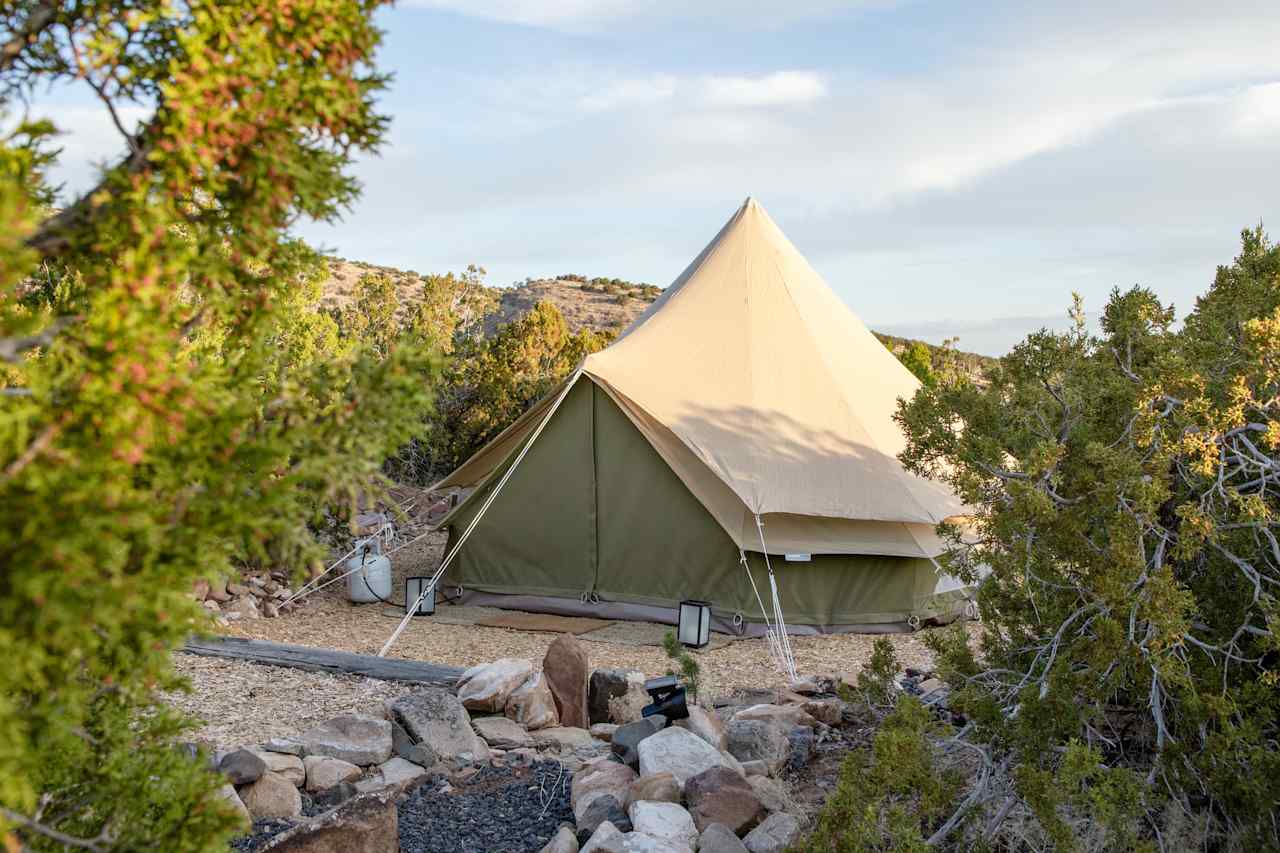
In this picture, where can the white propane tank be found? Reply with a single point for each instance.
(370, 573)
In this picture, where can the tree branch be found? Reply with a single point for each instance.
(96, 844)
(41, 17)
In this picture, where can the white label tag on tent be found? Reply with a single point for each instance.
(799, 558)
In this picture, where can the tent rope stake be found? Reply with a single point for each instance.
(778, 631)
(448, 558)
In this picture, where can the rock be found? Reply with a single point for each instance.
(288, 766)
(245, 605)
(501, 732)
(365, 824)
(200, 589)
(678, 752)
(565, 669)
(402, 745)
(667, 821)
(603, 731)
(775, 835)
(826, 711)
(532, 705)
(272, 796)
(603, 685)
(285, 746)
(323, 772)
(720, 795)
(626, 739)
(564, 841)
(801, 742)
(751, 740)
(490, 685)
(658, 788)
(242, 767)
(630, 706)
(217, 591)
(769, 792)
(754, 768)
(564, 739)
(606, 839)
(211, 606)
(806, 686)
(331, 797)
(227, 793)
(598, 779)
(399, 773)
(236, 590)
(602, 809)
(719, 839)
(930, 684)
(434, 718)
(783, 715)
(705, 725)
(351, 737)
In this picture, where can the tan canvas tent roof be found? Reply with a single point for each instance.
(766, 395)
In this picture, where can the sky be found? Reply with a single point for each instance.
(949, 168)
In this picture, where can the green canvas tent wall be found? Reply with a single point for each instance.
(746, 412)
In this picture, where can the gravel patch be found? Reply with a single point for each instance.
(499, 809)
(242, 703)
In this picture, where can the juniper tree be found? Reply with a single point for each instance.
(170, 403)
(1125, 491)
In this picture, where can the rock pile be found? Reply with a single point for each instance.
(251, 597)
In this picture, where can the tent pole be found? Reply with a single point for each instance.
(448, 558)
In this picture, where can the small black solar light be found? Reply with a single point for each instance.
(694, 625)
(413, 588)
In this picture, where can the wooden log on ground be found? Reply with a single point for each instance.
(323, 660)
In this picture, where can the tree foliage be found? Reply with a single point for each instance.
(173, 399)
(1124, 494)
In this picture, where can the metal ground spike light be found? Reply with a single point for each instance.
(693, 627)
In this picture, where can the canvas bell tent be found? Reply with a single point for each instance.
(742, 424)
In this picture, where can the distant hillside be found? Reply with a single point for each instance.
(599, 304)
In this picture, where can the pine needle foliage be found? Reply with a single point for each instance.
(173, 401)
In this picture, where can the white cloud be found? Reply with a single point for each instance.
(1258, 112)
(781, 88)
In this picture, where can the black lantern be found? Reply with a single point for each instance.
(413, 590)
(694, 628)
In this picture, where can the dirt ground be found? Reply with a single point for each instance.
(248, 703)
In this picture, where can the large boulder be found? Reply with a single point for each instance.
(666, 821)
(603, 685)
(532, 705)
(678, 752)
(626, 739)
(242, 767)
(564, 841)
(609, 839)
(720, 795)
(827, 711)
(720, 839)
(705, 725)
(272, 796)
(403, 745)
(802, 743)
(362, 824)
(487, 687)
(394, 773)
(775, 835)
(288, 766)
(501, 733)
(658, 788)
(323, 772)
(435, 718)
(757, 740)
(597, 779)
(606, 839)
(565, 669)
(563, 739)
(351, 737)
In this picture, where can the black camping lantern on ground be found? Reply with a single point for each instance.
(668, 698)
(694, 626)
(413, 589)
